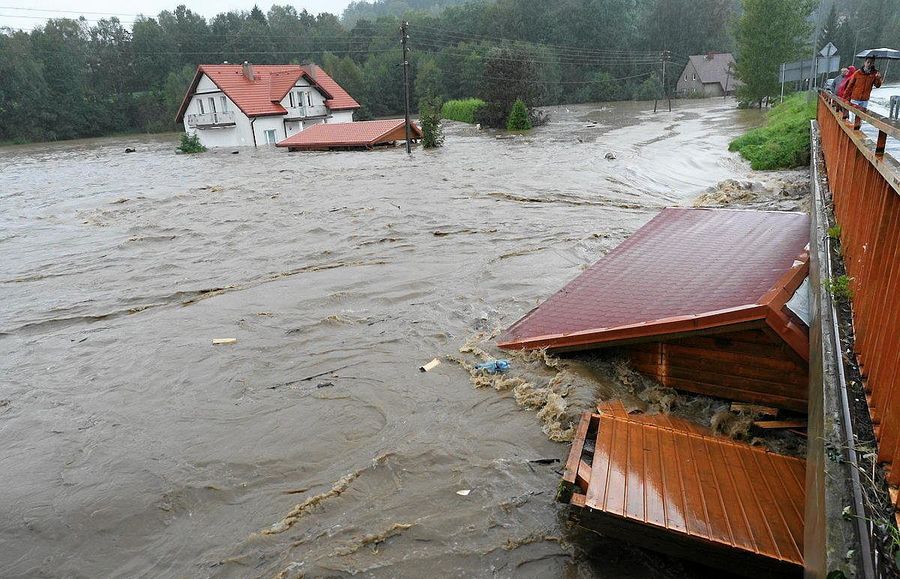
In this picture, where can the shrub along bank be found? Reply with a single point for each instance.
(462, 110)
(783, 142)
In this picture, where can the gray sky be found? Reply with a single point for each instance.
(12, 15)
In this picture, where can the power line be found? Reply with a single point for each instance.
(567, 48)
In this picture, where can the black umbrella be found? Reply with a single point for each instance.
(889, 53)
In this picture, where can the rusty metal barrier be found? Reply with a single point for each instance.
(865, 185)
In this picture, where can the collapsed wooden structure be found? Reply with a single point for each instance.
(699, 299)
(673, 486)
(357, 135)
(710, 301)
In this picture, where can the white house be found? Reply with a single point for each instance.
(233, 105)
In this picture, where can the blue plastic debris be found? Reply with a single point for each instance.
(494, 366)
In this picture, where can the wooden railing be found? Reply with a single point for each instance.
(865, 186)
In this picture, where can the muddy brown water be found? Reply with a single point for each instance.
(133, 447)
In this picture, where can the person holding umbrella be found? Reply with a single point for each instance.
(859, 87)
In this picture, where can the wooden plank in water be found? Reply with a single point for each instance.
(696, 495)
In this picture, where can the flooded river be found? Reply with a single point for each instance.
(134, 447)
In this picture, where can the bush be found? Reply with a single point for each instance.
(190, 144)
(603, 88)
(462, 110)
(518, 117)
(783, 142)
(649, 90)
(839, 287)
(430, 116)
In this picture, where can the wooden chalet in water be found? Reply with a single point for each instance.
(709, 301)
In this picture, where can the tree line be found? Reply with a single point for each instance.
(83, 77)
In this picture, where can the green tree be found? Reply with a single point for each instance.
(510, 74)
(429, 81)
(430, 117)
(768, 33)
(518, 117)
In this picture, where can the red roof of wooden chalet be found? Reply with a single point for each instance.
(686, 270)
(358, 134)
(262, 95)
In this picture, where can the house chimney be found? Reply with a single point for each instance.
(248, 70)
(710, 55)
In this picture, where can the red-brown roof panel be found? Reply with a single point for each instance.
(358, 134)
(688, 492)
(262, 95)
(340, 99)
(686, 267)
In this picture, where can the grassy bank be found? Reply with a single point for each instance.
(783, 142)
(462, 110)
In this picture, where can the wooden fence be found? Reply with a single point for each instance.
(865, 186)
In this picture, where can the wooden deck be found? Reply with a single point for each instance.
(672, 486)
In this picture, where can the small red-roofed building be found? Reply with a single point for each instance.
(710, 301)
(358, 135)
(234, 105)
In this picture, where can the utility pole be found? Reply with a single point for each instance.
(667, 55)
(663, 58)
(404, 37)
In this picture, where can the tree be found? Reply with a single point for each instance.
(768, 33)
(428, 79)
(518, 117)
(430, 117)
(510, 74)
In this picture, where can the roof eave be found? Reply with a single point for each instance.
(179, 116)
(665, 327)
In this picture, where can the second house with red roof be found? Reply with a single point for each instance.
(234, 105)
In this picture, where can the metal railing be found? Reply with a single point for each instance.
(211, 120)
(865, 186)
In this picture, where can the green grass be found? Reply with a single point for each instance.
(783, 142)
(839, 287)
(462, 110)
(834, 232)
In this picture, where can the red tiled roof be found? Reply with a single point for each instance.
(339, 100)
(685, 270)
(262, 96)
(358, 134)
(686, 491)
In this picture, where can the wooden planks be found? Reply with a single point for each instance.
(698, 495)
(749, 366)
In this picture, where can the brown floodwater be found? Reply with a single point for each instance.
(134, 447)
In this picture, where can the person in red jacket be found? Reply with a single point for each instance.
(859, 87)
(842, 83)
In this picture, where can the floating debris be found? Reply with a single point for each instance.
(430, 365)
(223, 341)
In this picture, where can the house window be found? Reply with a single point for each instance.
(270, 137)
(291, 97)
(695, 76)
(685, 77)
(212, 105)
(224, 104)
(200, 105)
(309, 99)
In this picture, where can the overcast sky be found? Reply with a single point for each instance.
(39, 10)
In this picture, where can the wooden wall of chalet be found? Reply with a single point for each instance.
(753, 366)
